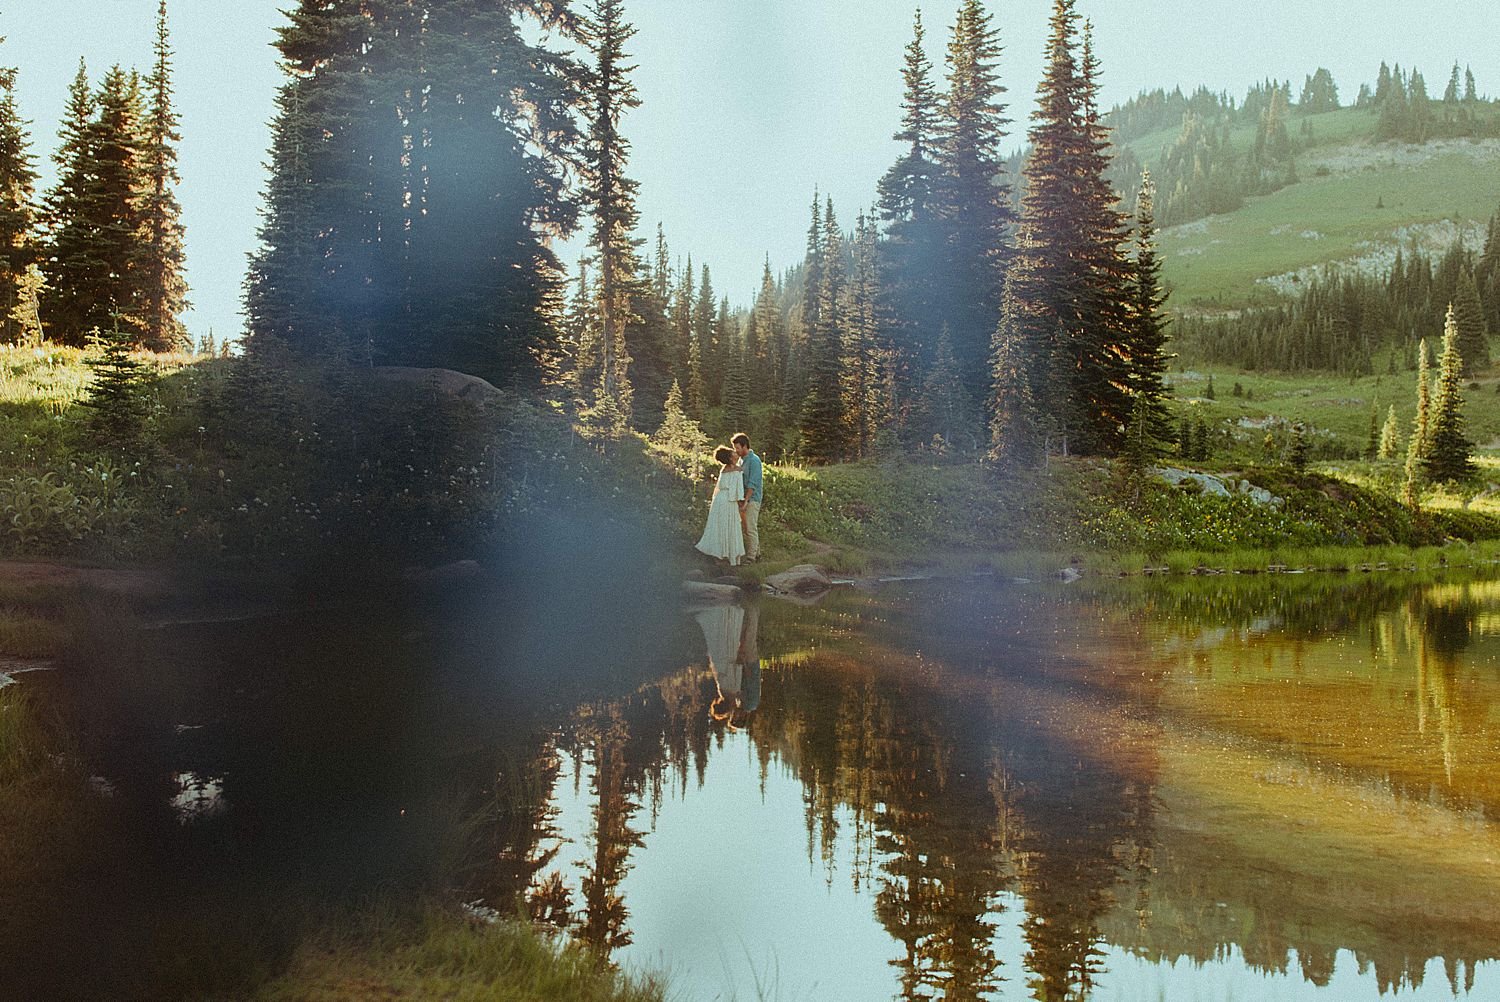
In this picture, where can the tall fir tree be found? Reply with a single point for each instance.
(1449, 452)
(861, 345)
(1473, 330)
(684, 300)
(1421, 430)
(700, 343)
(18, 215)
(1016, 429)
(973, 200)
(912, 256)
(1067, 286)
(1146, 345)
(824, 433)
(610, 194)
(1390, 436)
(73, 270)
(162, 259)
(96, 225)
(801, 332)
(434, 143)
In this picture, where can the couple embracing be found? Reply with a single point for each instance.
(733, 532)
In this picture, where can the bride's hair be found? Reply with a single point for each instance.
(725, 455)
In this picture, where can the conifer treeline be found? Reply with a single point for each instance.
(104, 249)
(1202, 172)
(1341, 320)
(882, 339)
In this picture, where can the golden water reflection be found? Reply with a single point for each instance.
(1008, 792)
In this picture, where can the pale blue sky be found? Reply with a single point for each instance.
(747, 105)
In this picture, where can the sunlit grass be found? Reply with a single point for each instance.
(383, 952)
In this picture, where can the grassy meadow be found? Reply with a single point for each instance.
(1353, 198)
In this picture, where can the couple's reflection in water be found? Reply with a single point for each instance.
(732, 634)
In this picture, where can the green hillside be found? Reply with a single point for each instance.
(1355, 201)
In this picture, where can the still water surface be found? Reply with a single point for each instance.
(1215, 789)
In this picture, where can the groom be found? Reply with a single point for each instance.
(750, 505)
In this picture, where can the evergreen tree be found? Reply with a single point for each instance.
(107, 278)
(1390, 436)
(860, 343)
(912, 256)
(736, 388)
(610, 194)
(431, 144)
(1473, 331)
(1014, 422)
(1470, 94)
(163, 289)
(678, 430)
(824, 434)
(581, 340)
(1068, 282)
(1421, 432)
(973, 203)
(18, 237)
(73, 269)
(947, 418)
(772, 340)
(701, 347)
(116, 397)
(1146, 345)
(1449, 452)
(1298, 452)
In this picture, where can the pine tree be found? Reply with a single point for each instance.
(1146, 344)
(1390, 436)
(912, 255)
(678, 430)
(973, 199)
(430, 145)
(1421, 432)
(161, 258)
(860, 343)
(1067, 282)
(116, 397)
(1298, 452)
(736, 388)
(1449, 452)
(18, 236)
(773, 340)
(73, 270)
(1473, 331)
(701, 347)
(824, 433)
(610, 194)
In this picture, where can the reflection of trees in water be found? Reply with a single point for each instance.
(942, 782)
(935, 795)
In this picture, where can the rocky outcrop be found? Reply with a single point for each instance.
(1223, 487)
(445, 382)
(803, 579)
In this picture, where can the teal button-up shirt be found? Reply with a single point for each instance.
(754, 476)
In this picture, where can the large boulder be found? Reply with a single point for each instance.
(710, 593)
(445, 382)
(804, 579)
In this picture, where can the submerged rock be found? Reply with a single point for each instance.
(710, 593)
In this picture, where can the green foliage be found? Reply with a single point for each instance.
(117, 396)
(1449, 451)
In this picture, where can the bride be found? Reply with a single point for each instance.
(722, 536)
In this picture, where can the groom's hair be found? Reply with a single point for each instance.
(740, 438)
(724, 454)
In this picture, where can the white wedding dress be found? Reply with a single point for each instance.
(722, 536)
